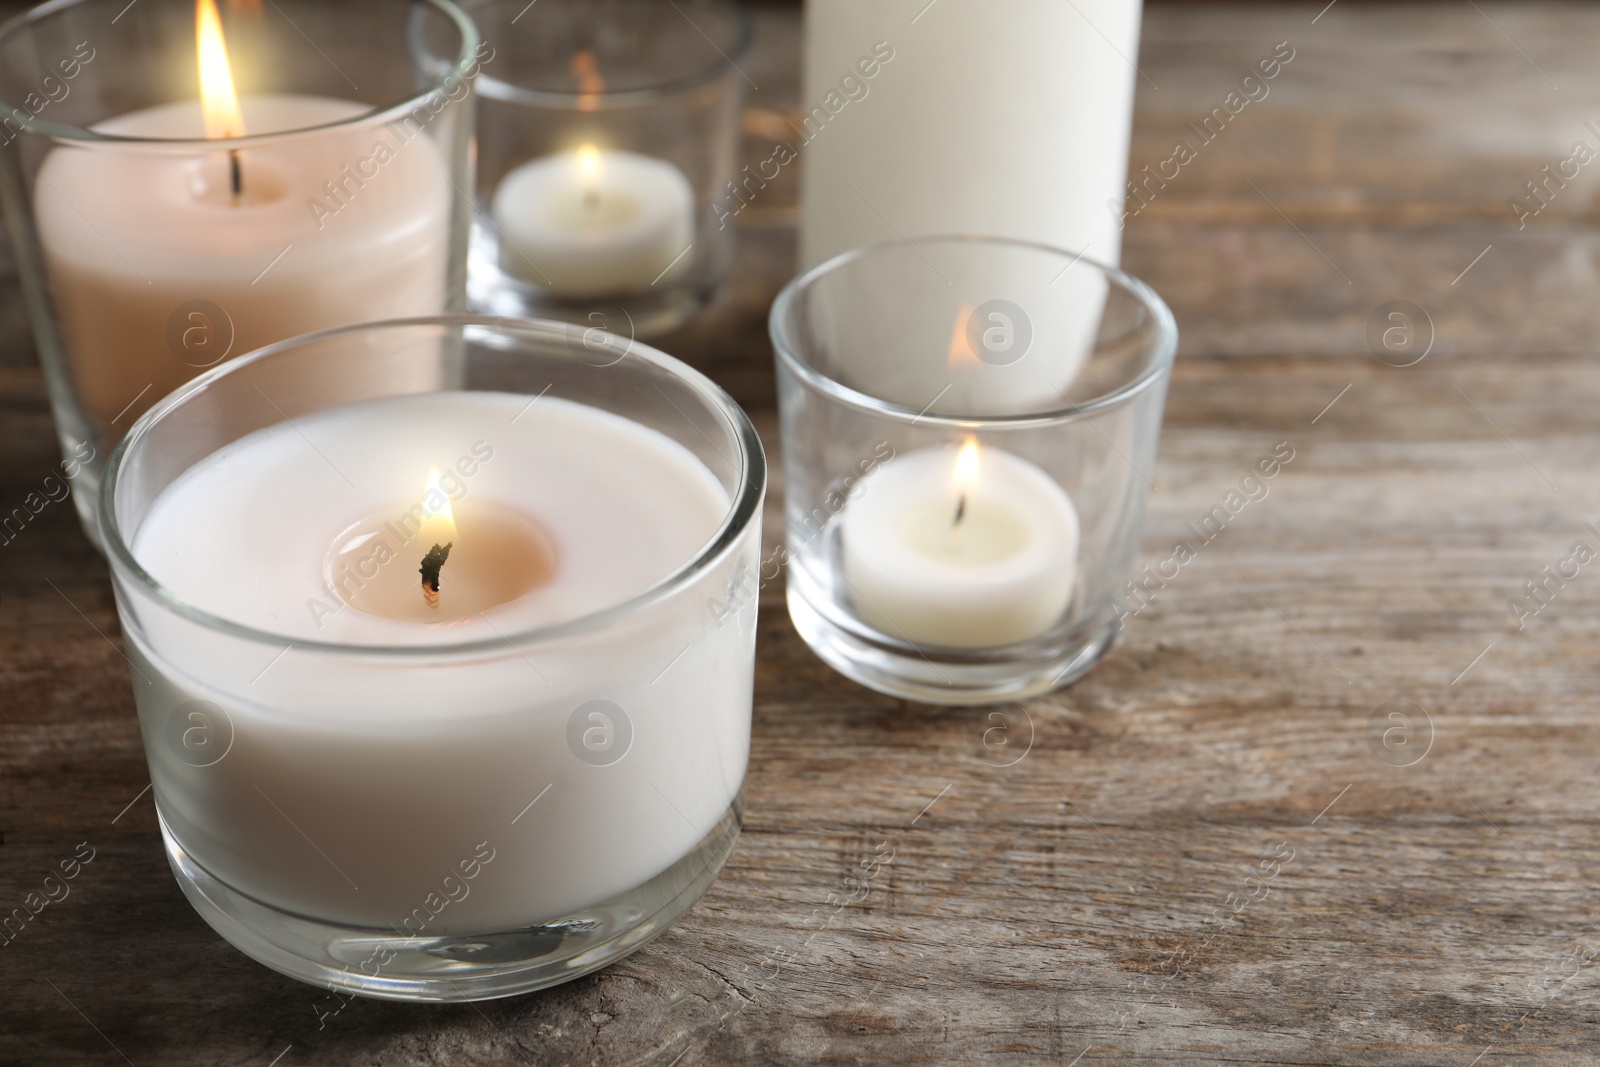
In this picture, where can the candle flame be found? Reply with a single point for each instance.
(586, 71)
(440, 524)
(964, 478)
(960, 352)
(219, 103)
(589, 164)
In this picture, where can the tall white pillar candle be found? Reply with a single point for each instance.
(1004, 118)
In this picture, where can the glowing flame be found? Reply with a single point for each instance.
(218, 100)
(440, 525)
(589, 165)
(960, 351)
(586, 72)
(964, 478)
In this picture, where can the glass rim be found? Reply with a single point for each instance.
(609, 99)
(61, 131)
(1165, 341)
(744, 505)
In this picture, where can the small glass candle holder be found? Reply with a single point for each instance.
(500, 775)
(160, 229)
(968, 430)
(608, 139)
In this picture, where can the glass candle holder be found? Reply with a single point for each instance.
(158, 233)
(608, 135)
(497, 777)
(968, 425)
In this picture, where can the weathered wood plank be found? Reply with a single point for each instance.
(1062, 906)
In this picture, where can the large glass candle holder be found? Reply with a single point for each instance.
(183, 186)
(445, 689)
(608, 136)
(969, 426)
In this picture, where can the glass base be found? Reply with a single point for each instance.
(376, 963)
(939, 676)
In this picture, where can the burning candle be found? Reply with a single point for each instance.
(961, 548)
(445, 693)
(505, 555)
(592, 223)
(163, 259)
(395, 768)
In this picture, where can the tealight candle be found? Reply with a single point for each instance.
(594, 223)
(965, 575)
(960, 548)
(162, 261)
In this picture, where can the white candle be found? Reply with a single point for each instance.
(1008, 119)
(595, 223)
(397, 770)
(145, 246)
(961, 548)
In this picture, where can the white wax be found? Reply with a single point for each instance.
(1008, 118)
(1003, 573)
(926, 348)
(595, 223)
(332, 229)
(397, 768)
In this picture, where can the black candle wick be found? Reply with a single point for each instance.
(432, 563)
(235, 173)
(961, 509)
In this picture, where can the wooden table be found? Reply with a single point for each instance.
(1059, 868)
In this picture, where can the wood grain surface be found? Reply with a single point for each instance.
(1200, 853)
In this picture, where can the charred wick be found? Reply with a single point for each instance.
(235, 173)
(432, 563)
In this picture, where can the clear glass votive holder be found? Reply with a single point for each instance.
(156, 236)
(968, 428)
(458, 809)
(608, 145)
